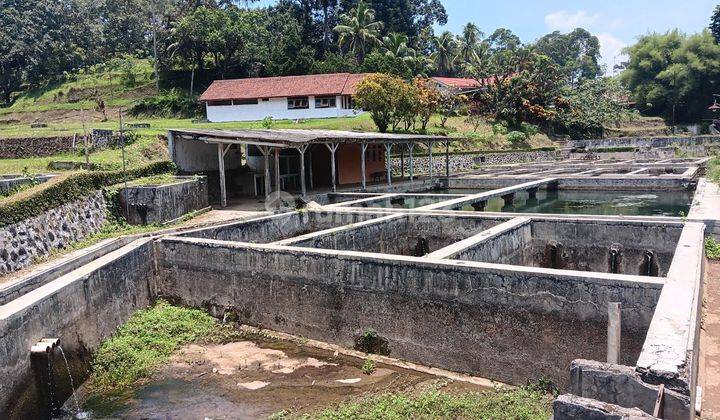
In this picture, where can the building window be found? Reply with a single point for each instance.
(325, 102)
(245, 102)
(219, 103)
(347, 102)
(298, 103)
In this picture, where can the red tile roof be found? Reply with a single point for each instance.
(285, 86)
(457, 82)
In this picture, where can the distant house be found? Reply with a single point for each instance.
(456, 84)
(288, 97)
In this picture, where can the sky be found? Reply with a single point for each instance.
(616, 23)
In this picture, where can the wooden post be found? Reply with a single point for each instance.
(447, 159)
(221, 168)
(613, 332)
(332, 147)
(402, 163)
(430, 165)
(363, 151)
(410, 147)
(302, 150)
(388, 163)
(312, 183)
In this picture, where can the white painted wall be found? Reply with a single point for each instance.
(276, 108)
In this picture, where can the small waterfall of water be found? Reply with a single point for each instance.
(72, 383)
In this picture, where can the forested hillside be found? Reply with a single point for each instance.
(160, 54)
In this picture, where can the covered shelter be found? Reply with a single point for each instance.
(298, 158)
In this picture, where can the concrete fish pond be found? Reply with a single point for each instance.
(605, 307)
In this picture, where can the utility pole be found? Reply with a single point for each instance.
(85, 137)
(122, 148)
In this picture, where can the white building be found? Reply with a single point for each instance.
(288, 97)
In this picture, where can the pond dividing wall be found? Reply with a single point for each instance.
(508, 324)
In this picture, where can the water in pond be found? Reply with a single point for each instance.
(406, 202)
(626, 203)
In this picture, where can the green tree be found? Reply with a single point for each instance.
(715, 24)
(576, 54)
(396, 45)
(445, 52)
(585, 111)
(359, 31)
(470, 43)
(377, 62)
(403, 16)
(428, 100)
(673, 75)
(380, 95)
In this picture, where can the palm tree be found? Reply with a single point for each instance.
(359, 31)
(444, 55)
(395, 45)
(469, 43)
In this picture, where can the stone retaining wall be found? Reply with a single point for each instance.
(467, 162)
(13, 148)
(22, 242)
(647, 142)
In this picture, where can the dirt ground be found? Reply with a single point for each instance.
(255, 379)
(710, 343)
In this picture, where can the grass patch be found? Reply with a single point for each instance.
(519, 404)
(147, 340)
(713, 169)
(712, 248)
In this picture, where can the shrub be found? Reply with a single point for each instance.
(368, 367)
(371, 342)
(516, 136)
(499, 129)
(173, 103)
(70, 189)
(529, 129)
(268, 122)
(712, 248)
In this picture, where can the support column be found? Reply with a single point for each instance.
(278, 184)
(402, 163)
(613, 332)
(265, 150)
(312, 182)
(333, 148)
(430, 166)
(302, 150)
(363, 151)
(221, 168)
(447, 159)
(388, 163)
(410, 147)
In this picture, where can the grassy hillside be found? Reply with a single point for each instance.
(118, 83)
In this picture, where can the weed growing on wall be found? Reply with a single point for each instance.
(368, 367)
(712, 248)
(147, 340)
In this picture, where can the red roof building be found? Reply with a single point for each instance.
(286, 97)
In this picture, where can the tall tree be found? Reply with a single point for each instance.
(359, 31)
(396, 45)
(445, 52)
(576, 53)
(715, 24)
(470, 43)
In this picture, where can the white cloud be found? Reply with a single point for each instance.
(565, 21)
(611, 51)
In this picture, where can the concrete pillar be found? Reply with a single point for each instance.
(388, 163)
(402, 163)
(333, 148)
(301, 151)
(613, 332)
(410, 147)
(363, 152)
(221, 169)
